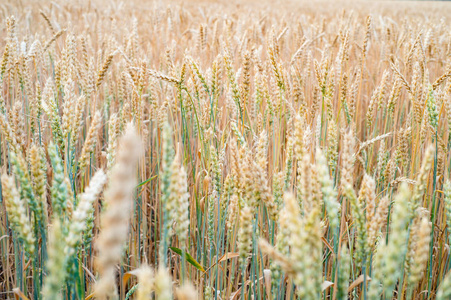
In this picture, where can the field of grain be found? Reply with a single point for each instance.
(225, 150)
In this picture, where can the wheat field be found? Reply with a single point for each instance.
(225, 150)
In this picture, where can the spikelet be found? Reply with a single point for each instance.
(444, 291)
(332, 145)
(174, 188)
(146, 282)
(305, 238)
(390, 170)
(375, 226)
(367, 197)
(2, 107)
(330, 195)
(163, 77)
(47, 20)
(166, 162)
(115, 218)
(59, 189)
(211, 212)
(432, 109)
(55, 263)
(26, 191)
(9, 134)
(182, 225)
(77, 119)
(50, 107)
(249, 183)
(229, 188)
(288, 162)
(38, 166)
(17, 214)
(102, 72)
(396, 247)
(245, 87)
(4, 62)
(367, 37)
(163, 284)
(90, 141)
(371, 107)
(420, 187)
(199, 75)
(402, 150)
(215, 78)
(375, 289)
(343, 273)
(53, 39)
(441, 156)
(383, 87)
(81, 213)
(209, 292)
(277, 188)
(18, 124)
(416, 93)
(9, 53)
(425, 128)
(178, 204)
(402, 78)
(347, 160)
(394, 96)
(232, 213)
(113, 135)
(282, 244)
(381, 160)
(353, 95)
(272, 51)
(245, 234)
(71, 201)
(262, 189)
(305, 184)
(88, 232)
(283, 235)
(187, 292)
(447, 202)
(234, 91)
(215, 170)
(421, 249)
(357, 210)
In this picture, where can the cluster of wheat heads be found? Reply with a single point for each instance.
(217, 151)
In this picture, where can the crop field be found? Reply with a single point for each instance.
(225, 150)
